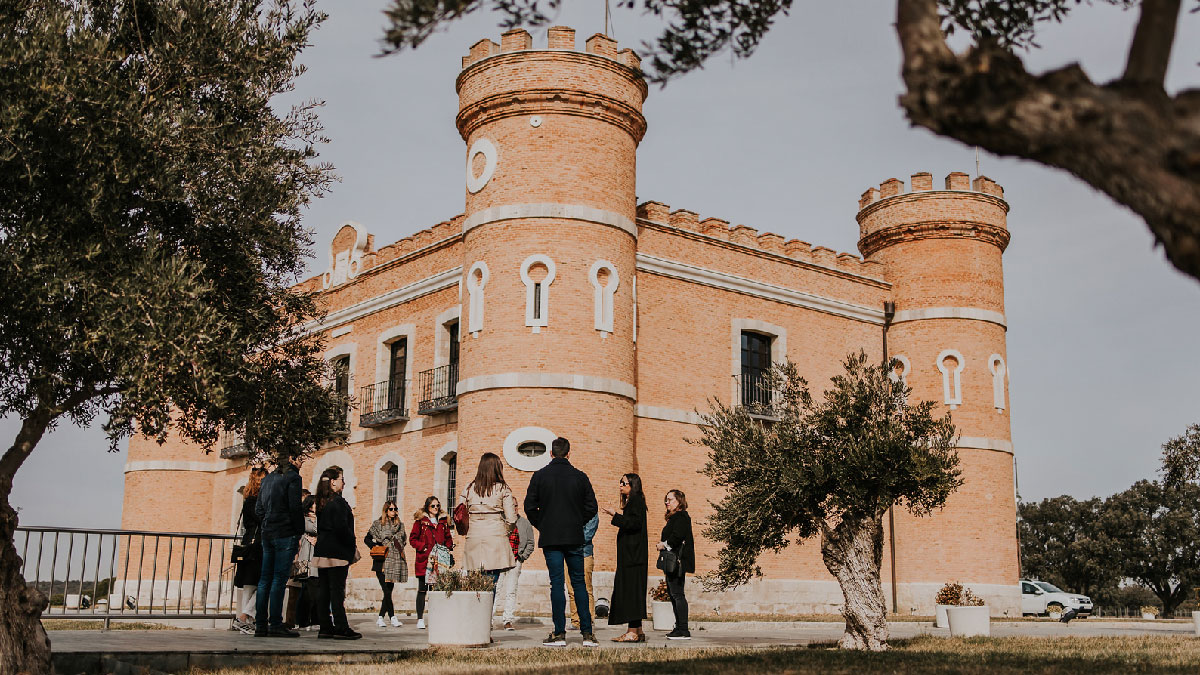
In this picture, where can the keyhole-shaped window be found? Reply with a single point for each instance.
(901, 374)
(537, 273)
(477, 278)
(951, 363)
(999, 369)
(605, 281)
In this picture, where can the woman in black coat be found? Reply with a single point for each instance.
(335, 551)
(246, 574)
(677, 538)
(629, 582)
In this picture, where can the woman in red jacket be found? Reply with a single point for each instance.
(430, 527)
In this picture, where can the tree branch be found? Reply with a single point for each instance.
(1150, 51)
(1140, 148)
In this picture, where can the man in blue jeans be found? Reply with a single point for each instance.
(559, 502)
(282, 519)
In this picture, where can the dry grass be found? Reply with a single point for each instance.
(919, 656)
(86, 624)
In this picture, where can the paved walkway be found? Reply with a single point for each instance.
(91, 651)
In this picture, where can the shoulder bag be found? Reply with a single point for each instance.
(462, 515)
(668, 562)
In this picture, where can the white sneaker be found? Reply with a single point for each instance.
(420, 624)
(381, 623)
(396, 622)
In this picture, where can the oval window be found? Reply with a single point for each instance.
(532, 449)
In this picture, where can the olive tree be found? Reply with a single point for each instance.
(1127, 138)
(828, 468)
(150, 203)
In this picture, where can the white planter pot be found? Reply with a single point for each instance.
(1056, 615)
(939, 616)
(464, 618)
(1148, 616)
(969, 621)
(1196, 623)
(663, 614)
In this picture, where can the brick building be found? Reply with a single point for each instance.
(555, 305)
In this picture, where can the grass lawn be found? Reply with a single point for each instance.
(919, 656)
(89, 624)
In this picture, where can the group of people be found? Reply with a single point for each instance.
(306, 542)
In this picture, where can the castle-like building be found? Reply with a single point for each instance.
(555, 305)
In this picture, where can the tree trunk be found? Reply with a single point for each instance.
(24, 645)
(853, 552)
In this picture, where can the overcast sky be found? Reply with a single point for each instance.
(1101, 329)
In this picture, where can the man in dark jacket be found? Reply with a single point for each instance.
(282, 523)
(559, 502)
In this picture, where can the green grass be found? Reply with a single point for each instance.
(86, 624)
(919, 656)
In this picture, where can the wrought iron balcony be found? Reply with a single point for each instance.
(757, 394)
(383, 403)
(436, 390)
(232, 445)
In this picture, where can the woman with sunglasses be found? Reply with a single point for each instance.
(391, 568)
(629, 581)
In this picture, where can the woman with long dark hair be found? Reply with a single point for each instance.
(629, 581)
(246, 575)
(677, 538)
(430, 528)
(392, 568)
(333, 555)
(493, 515)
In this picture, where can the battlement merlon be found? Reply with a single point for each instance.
(560, 38)
(963, 210)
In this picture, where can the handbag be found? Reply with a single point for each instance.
(379, 551)
(250, 552)
(462, 518)
(668, 562)
(439, 563)
(300, 569)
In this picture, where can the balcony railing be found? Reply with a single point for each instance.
(436, 388)
(232, 445)
(383, 403)
(757, 394)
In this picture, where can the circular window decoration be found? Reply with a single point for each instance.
(488, 150)
(528, 448)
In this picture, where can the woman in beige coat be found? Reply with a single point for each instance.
(493, 515)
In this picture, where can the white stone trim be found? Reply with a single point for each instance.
(431, 284)
(903, 376)
(340, 458)
(758, 289)
(536, 323)
(441, 476)
(441, 334)
(603, 385)
(668, 414)
(635, 308)
(551, 210)
(383, 350)
(984, 443)
(953, 397)
(518, 436)
(602, 297)
(778, 347)
(178, 465)
(345, 329)
(380, 483)
(475, 293)
(998, 369)
(951, 313)
(345, 265)
(490, 156)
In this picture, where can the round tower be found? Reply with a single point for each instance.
(549, 243)
(941, 251)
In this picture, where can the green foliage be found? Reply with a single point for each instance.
(844, 459)
(1181, 457)
(474, 580)
(1062, 542)
(150, 205)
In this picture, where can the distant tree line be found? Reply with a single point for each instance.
(1145, 539)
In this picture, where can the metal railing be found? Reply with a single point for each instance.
(129, 574)
(437, 389)
(757, 394)
(383, 403)
(232, 445)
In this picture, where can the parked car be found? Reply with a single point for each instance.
(1041, 597)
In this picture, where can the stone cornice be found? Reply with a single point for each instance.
(633, 75)
(551, 101)
(933, 229)
(888, 202)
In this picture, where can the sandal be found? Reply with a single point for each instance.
(629, 637)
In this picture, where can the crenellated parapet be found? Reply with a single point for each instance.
(749, 237)
(513, 78)
(964, 209)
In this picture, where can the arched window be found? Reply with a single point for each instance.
(451, 481)
(393, 483)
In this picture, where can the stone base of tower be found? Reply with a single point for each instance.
(764, 596)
